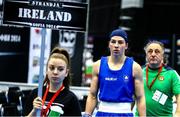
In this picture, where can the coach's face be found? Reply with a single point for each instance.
(154, 55)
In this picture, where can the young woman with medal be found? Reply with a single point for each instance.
(57, 99)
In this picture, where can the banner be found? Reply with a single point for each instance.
(46, 14)
(14, 49)
(34, 53)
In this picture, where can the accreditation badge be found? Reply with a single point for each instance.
(160, 97)
(163, 99)
(157, 95)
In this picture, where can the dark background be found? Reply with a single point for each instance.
(157, 19)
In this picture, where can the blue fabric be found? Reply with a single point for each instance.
(103, 114)
(116, 85)
(119, 32)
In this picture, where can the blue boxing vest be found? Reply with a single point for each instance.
(116, 85)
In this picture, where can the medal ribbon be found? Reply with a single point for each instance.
(43, 112)
(159, 71)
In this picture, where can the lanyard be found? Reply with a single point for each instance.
(52, 99)
(159, 71)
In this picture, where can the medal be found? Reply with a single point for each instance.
(161, 78)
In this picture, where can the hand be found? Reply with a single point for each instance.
(37, 103)
(86, 115)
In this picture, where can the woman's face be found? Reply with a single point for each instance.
(56, 70)
(117, 45)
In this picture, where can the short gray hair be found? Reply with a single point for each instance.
(156, 42)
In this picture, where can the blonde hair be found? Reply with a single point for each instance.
(60, 53)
